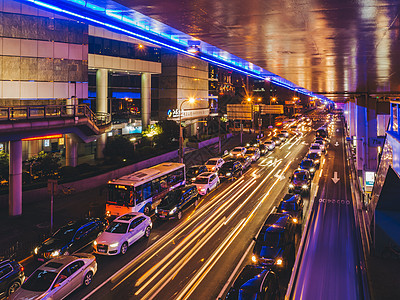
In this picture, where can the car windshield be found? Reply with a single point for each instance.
(250, 151)
(117, 227)
(201, 180)
(299, 176)
(245, 294)
(288, 206)
(306, 164)
(211, 162)
(315, 147)
(39, 281)
(171, 197)
(313, 156)
(65, 233)
(237, 150)
(193, 171)
(268, 142)
(227, 165)
(271, 239)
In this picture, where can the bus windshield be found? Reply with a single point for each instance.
(120, 195)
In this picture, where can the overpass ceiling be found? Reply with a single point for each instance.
(322, 45)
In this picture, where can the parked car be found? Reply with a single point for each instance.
(70, 238)
(255, 282)
(321, 144)
(206, 182)
(11, 277)
(292, 205)
(274, 245)
(194, 171)
(238, 152)
(270, 144)
(263, 149)
(245, 161)
(177, 201)
(213, 164)
(253, 153)
(282, 137)
(300, 182)
(253, 143)
(58, 278)
(316, 158)
(315, 148)
(309, 165)
(276, 140)
(230, 170)
(285, 133)
(122, 233)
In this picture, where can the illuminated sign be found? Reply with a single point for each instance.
(369, 178)
(53, 136)
(188, 114)
(46, 143)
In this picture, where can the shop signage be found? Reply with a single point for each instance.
(375, 142)
(369, 178)
(188, 113)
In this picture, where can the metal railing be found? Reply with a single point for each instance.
(14, 113)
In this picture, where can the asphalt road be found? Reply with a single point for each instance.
(329, 268)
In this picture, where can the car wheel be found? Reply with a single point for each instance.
(88, 278)
(147, 232)
(124, 248)
(13, 287)
(208, 190)
(146, 210)
(179, 215)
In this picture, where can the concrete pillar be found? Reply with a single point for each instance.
(361, 134)
(372, 133)
(71, 151)
(353, 120)
(101, 90)
(100, 145)
(145, 95)
(15, 179)
(391, 117)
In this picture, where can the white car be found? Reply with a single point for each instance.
(253, 153)
(206, 181)
(123, 232)
(321, 144)
(270, 144)
(214, 164)
(315, 148)
(238, 151)
(285, 132)
(58, 278)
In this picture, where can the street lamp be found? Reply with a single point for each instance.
(190, 100)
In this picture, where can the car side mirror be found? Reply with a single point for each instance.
(56, 285)
(131, 229)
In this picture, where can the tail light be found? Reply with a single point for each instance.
(21, 268)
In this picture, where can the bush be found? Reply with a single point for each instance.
(45, 165)
(118, 148)
(4, 161)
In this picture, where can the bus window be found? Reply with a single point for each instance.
(147, 190)
(120, 195)
(175, 177)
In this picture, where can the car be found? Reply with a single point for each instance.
(276, 140)
(285, 133)
(316, 158)
(309, 165)
(263, 149)
(253, 143)
(282, 137)
(321, 144)
(292, 205)
(253, 153)
(315, 148)
(230, 170)
(238, 151)
(177, 201)
(206, 182)
(213, 164)
(255, 282)
(70, 238)
(11, 277)
(193, 171)
(270, 144)
(58, 278)
(300, 182)
(122, 233)
(274, 245)
(245, 162)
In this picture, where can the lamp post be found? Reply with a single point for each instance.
(190, 100)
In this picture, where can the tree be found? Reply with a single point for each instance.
(4, 166)
(169, 135)
(45, 165)
(118, 147)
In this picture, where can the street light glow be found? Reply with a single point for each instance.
(191, 100)
(249, 99)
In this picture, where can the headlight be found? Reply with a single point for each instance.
(295, 220)
(291, 185)
(172, 211)
(247, 145)
(95, 243)
(114, 245)
(156, 210)
(254, 259)
(108, 213)
(312, 170)
(317, 161)
(55, 253)
(279, 261)
(230, 154)
(228, 174)
(36, 250)
(305, 186)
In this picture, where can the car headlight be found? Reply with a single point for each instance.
(114, 245)
(247, 145)
(291, 185)
(305, 186)
(55, 253)
(228, 174)
(295, 220)
(36, 250)
(95, 243)
(317, 161)
(254, 259)
(279, 261)
(312, 170)
(231, 154)
(156, 210)
(108, 213)
(172, 211)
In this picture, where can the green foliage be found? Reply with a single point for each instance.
(169, 135)
(118, 148)
(45, 165)
(4, 162)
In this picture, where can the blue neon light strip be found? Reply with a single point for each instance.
(244, 66)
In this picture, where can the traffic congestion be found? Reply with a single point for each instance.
(151, 210)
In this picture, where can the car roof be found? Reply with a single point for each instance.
(206, 174)
(128, 217)
(248, 273)
(276, 220)
(315, 144)
(290, 197)
(58, 263)
(307, 160)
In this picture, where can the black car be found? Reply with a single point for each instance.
(194, 171)
(309, 165)
(277, 140)
(316, 158)
(263, 149)
(70, 238)
(275, 243)
(177, 201)
(292, 205)
(255, 282)
(11, 277)
(253, 143)
(245, 162)
(230, 170)
(282, 137)
(300, 182)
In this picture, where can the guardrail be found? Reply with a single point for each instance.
(32, 112)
